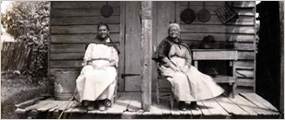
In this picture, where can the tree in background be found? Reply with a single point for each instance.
(28, 22)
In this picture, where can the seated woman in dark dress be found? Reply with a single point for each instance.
(174, 63)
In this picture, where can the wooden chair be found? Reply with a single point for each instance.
(163, 93)
(115, 96)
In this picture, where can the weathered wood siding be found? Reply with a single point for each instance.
(163, 13)
(73, 25)
(133, 51)
(241, 31)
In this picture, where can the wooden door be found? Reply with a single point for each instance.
(132, 47)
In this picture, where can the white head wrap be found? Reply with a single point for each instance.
(174, 24)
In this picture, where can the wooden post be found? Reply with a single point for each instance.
(281, 16)
(146, 46)
(255, 56)
(122, 45)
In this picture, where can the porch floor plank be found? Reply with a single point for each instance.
(165, 110)
(63, 105)
(154, 110)
(72, 105)
(214, 108)
(231, 107)
(264, 103)
(58, 103)
(244, 104)
(121, 103)
(39, 104)
(128, 105)
(254, 107)
(48, 106)
(196, 112)
(96, 112)
(186, 112)
(203, 108)
(78, 110)
(135, 103)
(69, 110)
(175, 111)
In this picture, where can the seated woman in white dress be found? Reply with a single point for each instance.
(96, 83)
(188, 84)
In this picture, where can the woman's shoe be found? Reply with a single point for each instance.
(108, 103)
(85, 103)
(102, 106)
(182, 106)
(91, 107)
(194, 105)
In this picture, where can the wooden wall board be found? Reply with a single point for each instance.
(84, 20)
(81, 29)
(81, 12)
(80, 38)
(80, 4)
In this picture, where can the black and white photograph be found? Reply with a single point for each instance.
(142, 59)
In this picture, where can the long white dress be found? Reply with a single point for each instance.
(97, 81)
(191, 85)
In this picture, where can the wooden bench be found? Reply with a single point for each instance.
(219, 54)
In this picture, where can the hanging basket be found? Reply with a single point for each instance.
(226, 13)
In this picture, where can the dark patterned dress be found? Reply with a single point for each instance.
(190, 85)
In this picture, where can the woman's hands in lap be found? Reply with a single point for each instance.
(174, 68)
(183, 70)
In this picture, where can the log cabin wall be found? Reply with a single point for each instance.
(73, 26)
(162, 14)
(241, 32)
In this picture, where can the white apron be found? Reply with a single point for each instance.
(192, 85)
(96, 80)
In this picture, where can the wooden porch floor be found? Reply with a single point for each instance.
(244, 105)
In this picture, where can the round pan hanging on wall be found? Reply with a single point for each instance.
(204, 15)
(188, 15)
(106, 10)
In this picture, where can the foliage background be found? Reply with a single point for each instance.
(28, 22)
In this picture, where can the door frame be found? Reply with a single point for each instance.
(121, 81)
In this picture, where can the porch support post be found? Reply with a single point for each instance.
(146, 43)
